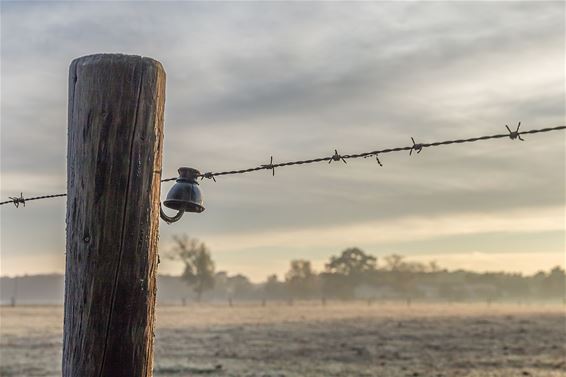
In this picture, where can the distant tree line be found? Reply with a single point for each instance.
(355, 274)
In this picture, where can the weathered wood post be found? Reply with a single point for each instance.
(115, 134)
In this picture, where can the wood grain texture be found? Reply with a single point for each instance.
(115, 134)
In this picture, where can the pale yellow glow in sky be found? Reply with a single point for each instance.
(403, 229)
(411, 228)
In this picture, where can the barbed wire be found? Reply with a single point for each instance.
(21, 200)
(415, 147)
(336, 157)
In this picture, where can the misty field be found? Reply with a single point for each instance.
(307, 339)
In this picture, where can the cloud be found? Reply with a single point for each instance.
(296, 80)
(525, 263)
(405, 229)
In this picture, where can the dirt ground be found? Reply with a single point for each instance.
(307, 339)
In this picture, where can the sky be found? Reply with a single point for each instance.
(246, 81)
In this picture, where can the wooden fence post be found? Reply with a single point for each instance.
(115, 135)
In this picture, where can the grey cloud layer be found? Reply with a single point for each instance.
(296, 80)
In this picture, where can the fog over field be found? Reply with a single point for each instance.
(308, 339)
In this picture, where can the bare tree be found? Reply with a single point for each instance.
(272, 287)
(199, 267)
(394, 262)
(301, 279)
(433, 266)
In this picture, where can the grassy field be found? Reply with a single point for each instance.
(351, 339)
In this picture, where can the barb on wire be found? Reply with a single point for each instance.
(376, 158)
(514, 134)
(270, 166)
(417, 147)
(18, 200)
(336, 157)
(207, 175)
